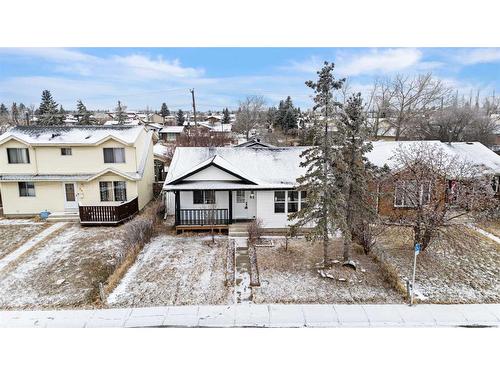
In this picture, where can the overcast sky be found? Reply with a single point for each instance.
(141, 77)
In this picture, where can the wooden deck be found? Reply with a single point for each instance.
(108, 215)
(205, 228)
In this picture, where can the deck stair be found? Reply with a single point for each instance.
(64, 216)
(238, 230)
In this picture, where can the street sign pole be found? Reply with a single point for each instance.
(417, 250)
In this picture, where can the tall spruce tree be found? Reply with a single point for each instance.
(287, 115)
(83, 115)
(180, 117)
(120, 113)
(164, 111)
(324, 167)
(225, 116)
(48, 113)
(353, 133)
(3, 110)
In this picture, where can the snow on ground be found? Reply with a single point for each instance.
(64, 270)
(291, 276)
(463, 267)
(176, 270)
(14, 233)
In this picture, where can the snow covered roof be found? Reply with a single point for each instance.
(279, 167)
(475, 152)
(255, 142)
(126, 122)
(160, 150)
(72, 135)
(172, 129)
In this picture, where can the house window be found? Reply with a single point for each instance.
(240, 196)
(113, 191)
(66, 151)
(114, 155)
(203, 197)
(293, 201)
(18, 155)
(106, 190)
(411, 193)
(26, 189)
(303, 200)
(120, 191)
(279, 202)
(171, 137)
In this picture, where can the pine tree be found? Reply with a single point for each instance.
(48, 113)
(287, 115)
(3, 110)
(164, 111)
(324, 167)
(83, 115)
(225, 116)
(120, 113)
(62, 114)
(353, 132)
(14, 113)
(180, 117)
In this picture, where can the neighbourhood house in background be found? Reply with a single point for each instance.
(101, 174)
(221, 185)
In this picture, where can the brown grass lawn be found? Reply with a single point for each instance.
(461, 266)
(490, 226)
(13, 233)
(176, 270)
(62, 271)
(292, 277)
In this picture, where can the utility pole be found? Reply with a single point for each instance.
(194, 107)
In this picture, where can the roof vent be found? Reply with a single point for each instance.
(87, 137)
(55, 135)
(470, 143)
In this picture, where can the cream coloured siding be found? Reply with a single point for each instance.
(48, 196)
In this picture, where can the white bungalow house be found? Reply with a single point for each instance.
(95, 174)
(216, 186)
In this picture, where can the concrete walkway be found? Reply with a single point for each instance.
(251, 315)
(28, 245)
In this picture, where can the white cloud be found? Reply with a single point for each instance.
(378, 61)
(479, 55)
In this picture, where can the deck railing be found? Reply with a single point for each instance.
(203, 216)
(108, 214)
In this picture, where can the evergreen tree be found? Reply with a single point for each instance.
(180, 117)
(83, 115)
(353, 134)
(225, 116)
(3, 110)
(14, 113)
(62, 114)
(120, 113)
(322, 181)
(48, 113)
(164, 111)
(287, 116)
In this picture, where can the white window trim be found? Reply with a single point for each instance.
(26, 196)
(113, 198)
(286, 201)
(114, 162)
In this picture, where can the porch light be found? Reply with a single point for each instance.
(252, 194)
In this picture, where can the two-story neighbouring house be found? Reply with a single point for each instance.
(103, 174)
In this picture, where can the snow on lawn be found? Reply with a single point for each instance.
(63, 270)
(291, 276)
(175, 270)
(13, 233)
(461, 267)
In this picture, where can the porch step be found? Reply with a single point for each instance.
(237, 234)
(64, 216)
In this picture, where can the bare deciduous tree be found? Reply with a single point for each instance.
(435, 189)
(250, 115)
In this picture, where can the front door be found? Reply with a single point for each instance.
(244, 205)
(70, 197)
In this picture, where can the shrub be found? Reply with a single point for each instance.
(255, 231)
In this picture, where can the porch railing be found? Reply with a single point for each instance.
(108, 214)
(203, 216)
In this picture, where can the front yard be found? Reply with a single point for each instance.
(463, 269)
(64, 270)
(292, 276)
(14, 233)
(176, 270)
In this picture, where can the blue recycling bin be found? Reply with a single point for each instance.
(44, 214)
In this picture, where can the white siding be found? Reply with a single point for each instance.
(265, 211)
(212, 174)
(221, 200)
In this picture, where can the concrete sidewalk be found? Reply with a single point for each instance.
(251, 315)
